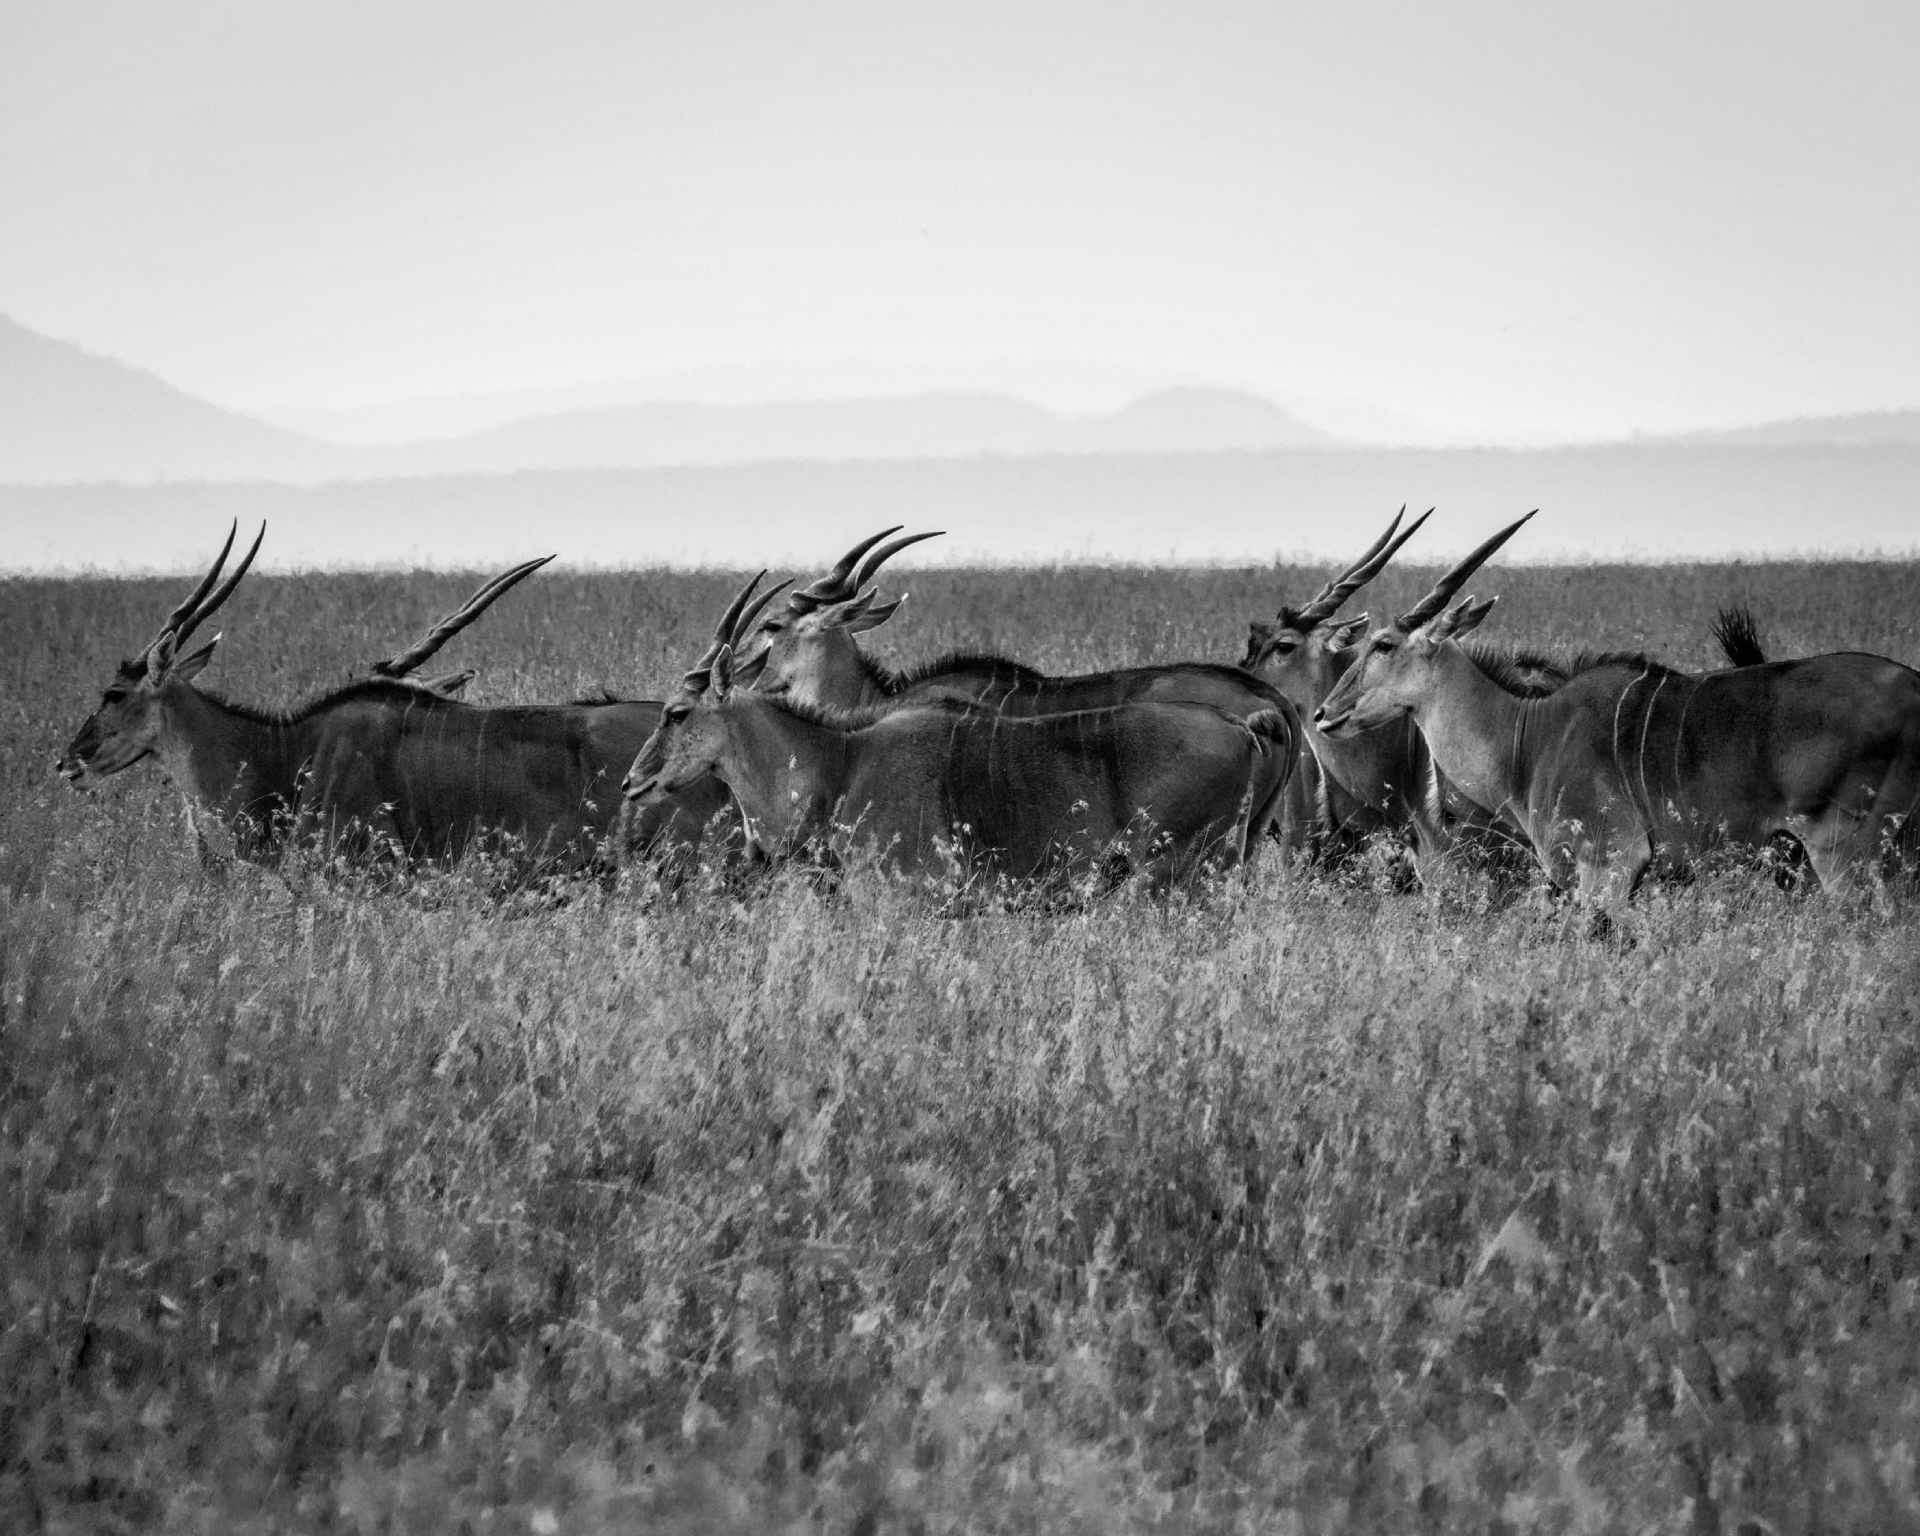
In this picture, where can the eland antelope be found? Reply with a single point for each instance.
(381, 765)
(1154, 789)
(805, 652)
(1631, 761)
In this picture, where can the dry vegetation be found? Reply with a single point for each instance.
(1302, 1205)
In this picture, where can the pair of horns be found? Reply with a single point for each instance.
(199, 607)
(852, 573)
(1330, 597)
(403, 662)
(741, 615)
(1435, 602)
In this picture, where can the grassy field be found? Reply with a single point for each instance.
(1303, 1205)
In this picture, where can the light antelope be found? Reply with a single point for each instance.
(383, 765)
(1631, 761)
(1378, 782)
(1153, 790)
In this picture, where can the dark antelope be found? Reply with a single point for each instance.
(1630, 760)
(382, 764)
(1154, 790)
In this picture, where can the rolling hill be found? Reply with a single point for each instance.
(67, 414)
(1861, 429)
(921, 426)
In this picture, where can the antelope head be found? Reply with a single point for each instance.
(131, 718)
(1295, 649)
(649, 770)
(1393, 670)
(807, 649)
(688, 743)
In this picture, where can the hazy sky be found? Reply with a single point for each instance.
(1507, 222)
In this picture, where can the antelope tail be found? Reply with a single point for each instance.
(1739, 636)
(1270, 730)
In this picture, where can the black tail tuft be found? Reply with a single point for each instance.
(1739, 640)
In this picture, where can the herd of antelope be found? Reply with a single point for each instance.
(785, 740)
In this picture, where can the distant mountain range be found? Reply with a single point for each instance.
(924, 426)
(1863, 429)
(70, 415)
(1662, 503)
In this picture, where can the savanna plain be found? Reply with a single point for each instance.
(1304, 1202)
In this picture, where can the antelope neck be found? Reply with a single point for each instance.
(226, 758)
(1478, 734)
(782, 767)
(1368, 766)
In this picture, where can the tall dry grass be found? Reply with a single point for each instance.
(1295, 1205)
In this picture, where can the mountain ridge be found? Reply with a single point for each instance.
(1847, 429)
(927, 424)
(64, 408)
(69, 415)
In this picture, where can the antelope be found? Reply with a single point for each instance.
(1345, 791)
(1631, 761)
(1155, 789)
(383, 765)
(1380, 781)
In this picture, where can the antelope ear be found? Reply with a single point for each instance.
(449, 685)
(1472, 614)
(875, 615)
(189, 667)
(721, 683)
(1348, 632)
(746, 673)
(849, 615)
(1457, 620)
(160, 658)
